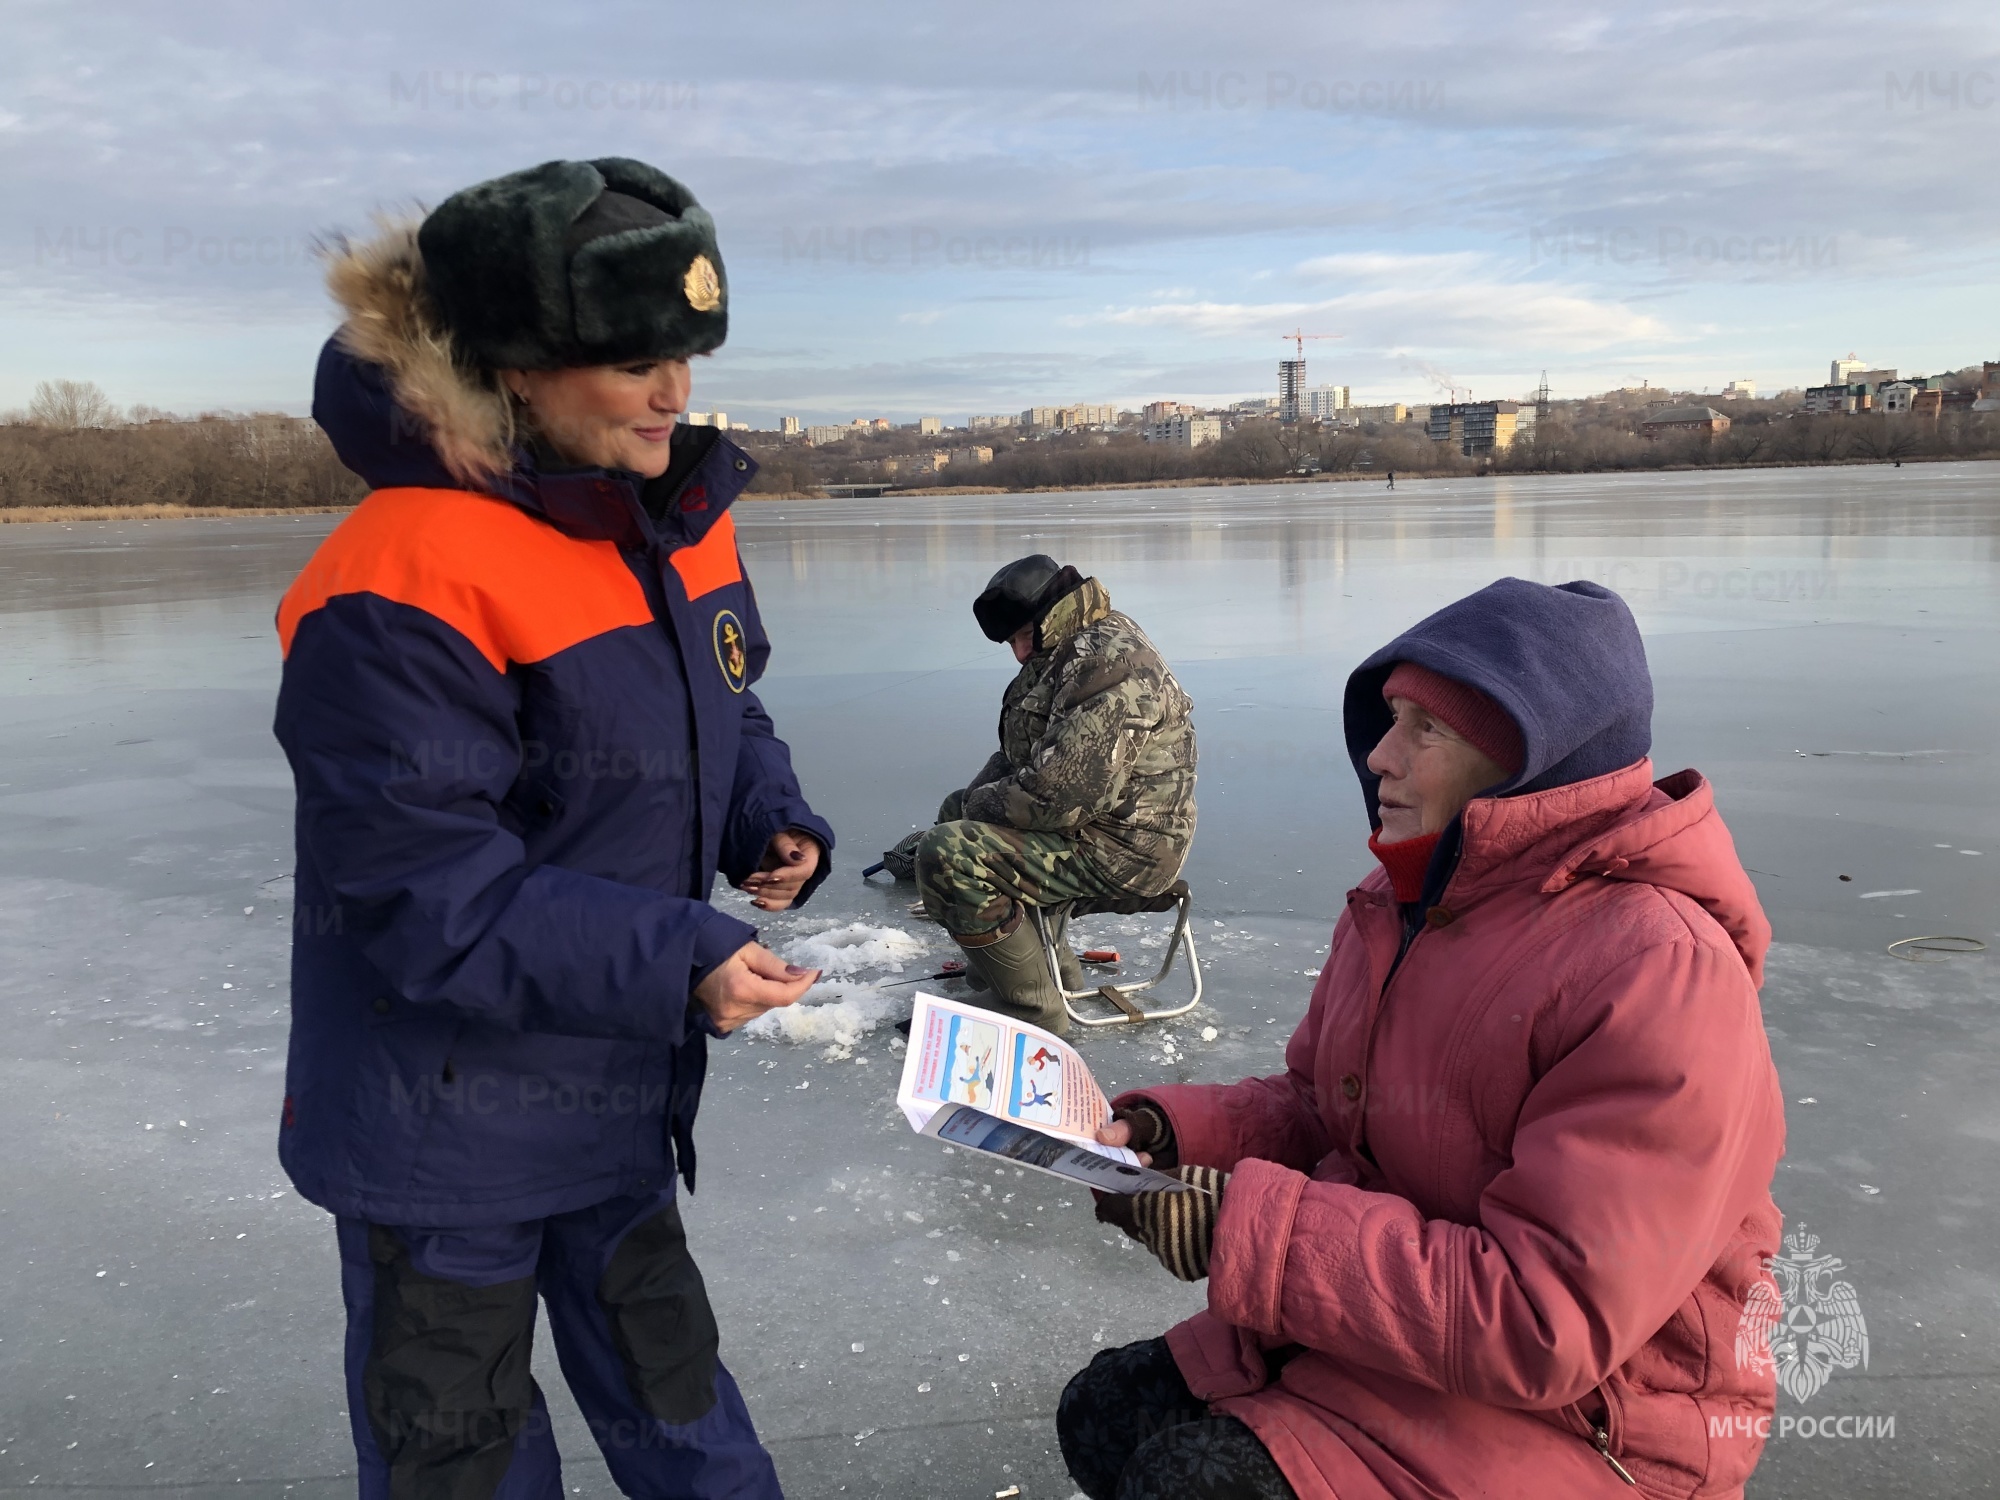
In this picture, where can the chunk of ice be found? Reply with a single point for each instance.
(836, 1015)
(841, 952)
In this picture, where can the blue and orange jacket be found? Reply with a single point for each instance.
(524, 741)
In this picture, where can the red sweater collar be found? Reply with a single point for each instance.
(1407, 862)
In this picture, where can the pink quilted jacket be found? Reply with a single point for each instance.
(1494, 1225)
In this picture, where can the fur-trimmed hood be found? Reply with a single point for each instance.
(392, 324)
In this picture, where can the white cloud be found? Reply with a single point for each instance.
(1663, 128)
(1467, 315)
(1382, 265)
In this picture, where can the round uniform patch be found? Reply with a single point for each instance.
(729, 652)
(702, 286)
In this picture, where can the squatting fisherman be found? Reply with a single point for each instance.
(517, 704)
(1091, 792)
(1501, 1225)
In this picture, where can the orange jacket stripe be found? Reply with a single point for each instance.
(710, 563)
(517, 589)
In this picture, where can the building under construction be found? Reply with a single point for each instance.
(1291, 389)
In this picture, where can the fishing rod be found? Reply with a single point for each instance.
(957, 973)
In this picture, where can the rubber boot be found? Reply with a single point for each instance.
(1057, 918)
(1072, 966)
(1017, 977)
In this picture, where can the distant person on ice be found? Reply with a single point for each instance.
(1091, 792)
(1493, 1230)
(517, 704)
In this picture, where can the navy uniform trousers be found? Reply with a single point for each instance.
(440, 1325)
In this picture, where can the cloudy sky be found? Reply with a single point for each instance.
(953, 208)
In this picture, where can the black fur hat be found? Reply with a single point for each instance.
(1021, 593)
(576, 263)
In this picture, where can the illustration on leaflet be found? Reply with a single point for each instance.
(973, 1047)
(1038, 1079)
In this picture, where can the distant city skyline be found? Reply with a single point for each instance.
(934, 210)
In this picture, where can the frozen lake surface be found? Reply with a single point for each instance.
(1827, 650)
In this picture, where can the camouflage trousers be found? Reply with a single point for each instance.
(970, 874)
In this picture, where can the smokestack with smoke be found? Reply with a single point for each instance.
(1437, 377)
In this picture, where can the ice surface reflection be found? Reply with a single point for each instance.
(1827, 649)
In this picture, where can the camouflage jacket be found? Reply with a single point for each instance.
(1096, 742)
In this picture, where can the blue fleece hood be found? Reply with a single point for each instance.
(1565, 661)
(371, 434)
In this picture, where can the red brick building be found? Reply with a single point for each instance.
(1674, 419)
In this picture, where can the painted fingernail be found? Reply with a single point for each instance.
(795, 971)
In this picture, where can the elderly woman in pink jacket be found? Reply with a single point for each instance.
(1493, 1229)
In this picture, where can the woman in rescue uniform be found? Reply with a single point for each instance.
(517, 701)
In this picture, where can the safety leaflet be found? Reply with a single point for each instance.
(1000, 1086)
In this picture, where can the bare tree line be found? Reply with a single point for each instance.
(1578, 437)
(72, 447)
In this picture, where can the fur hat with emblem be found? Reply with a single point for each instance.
(576, 263)
(567, 264)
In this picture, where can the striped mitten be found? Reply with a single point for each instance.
(1179, 1228)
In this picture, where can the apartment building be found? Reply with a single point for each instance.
(1839, 399)
(1182, 431)
(933, 462)
(1326, 403)
(1394, 411)
(1060, 418)
(1475, 427)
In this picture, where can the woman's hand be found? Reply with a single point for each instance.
(789, 861)
(1179, 1228)
(749, 982)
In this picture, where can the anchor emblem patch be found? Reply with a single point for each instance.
(729, 652)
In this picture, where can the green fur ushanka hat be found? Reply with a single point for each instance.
(576, 263)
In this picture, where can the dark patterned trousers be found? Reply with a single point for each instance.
(971, 875)
(1130, 1429)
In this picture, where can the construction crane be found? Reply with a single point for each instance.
(1292, 374)
(1299, 338)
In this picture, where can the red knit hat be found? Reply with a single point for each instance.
(1483, 723)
